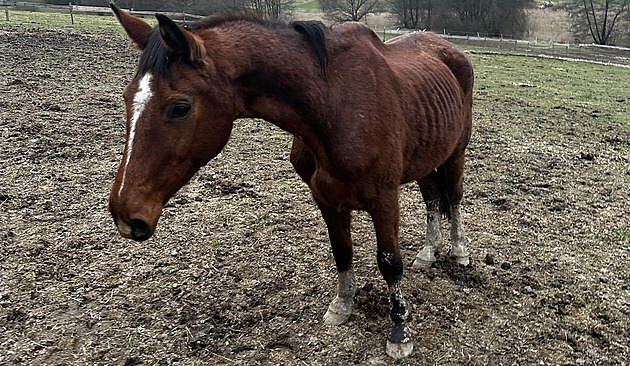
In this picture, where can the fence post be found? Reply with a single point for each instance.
(71, 15)
(6, 9)
(384, 37)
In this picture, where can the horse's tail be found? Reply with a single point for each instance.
(442, 181)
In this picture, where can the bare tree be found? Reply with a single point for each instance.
(601, 25)
(413, 14)
(347, 10)
(272, 8)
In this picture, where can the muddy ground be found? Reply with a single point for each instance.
(239, 271)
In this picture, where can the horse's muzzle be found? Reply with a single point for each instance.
(135, 229)
(140, 230)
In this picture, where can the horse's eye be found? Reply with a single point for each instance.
(179, 110)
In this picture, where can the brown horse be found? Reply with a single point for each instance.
(367, 116)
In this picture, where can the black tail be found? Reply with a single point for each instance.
(442, 181)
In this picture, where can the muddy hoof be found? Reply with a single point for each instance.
(421, 264)
(399, 341)
(398, 350)
(338, 312)
(462, 261)
(424, 258)
(331, 318)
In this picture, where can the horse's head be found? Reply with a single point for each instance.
(179, 116)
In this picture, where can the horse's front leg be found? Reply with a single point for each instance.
(386, 220)
(338, 223)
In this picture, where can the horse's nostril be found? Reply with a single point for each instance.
(139, 230)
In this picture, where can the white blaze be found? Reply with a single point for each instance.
(140, 100)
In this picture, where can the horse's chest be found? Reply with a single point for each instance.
(334, 192)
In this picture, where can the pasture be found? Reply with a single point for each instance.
(240, 272)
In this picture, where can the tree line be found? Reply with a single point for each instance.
(599, 19)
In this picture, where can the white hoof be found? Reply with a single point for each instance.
(338, 312)
(421, 264)
(425, 258)
(399, 350)
(462, 261)
(460, 255)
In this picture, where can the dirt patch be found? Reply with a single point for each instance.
(240, 272)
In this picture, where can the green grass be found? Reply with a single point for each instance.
(130, 341)
(61, 20)
(624, 236)
(307, 5)
(557, 87)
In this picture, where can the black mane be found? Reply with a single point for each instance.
(156, 57)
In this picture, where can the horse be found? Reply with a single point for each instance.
(366, 117)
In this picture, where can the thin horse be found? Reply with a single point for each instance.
(366, 116)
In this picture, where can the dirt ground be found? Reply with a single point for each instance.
(239, 271)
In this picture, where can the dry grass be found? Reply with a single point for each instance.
(549, 25)
(240, 269)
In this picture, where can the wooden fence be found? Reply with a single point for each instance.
(72, 9)
(586, 52)
(617, 56)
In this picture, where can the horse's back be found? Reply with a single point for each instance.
(411, 102)
(427, 44)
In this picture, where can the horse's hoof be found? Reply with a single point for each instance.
(462, 261)
(331, 318)
(398, 350)
(399, 341)
(425, 258)
(421, 264)
(338, 312)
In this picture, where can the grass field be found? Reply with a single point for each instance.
(61, 20)
(239, 270)
(307, 5)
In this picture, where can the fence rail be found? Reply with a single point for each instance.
(586, 52)
(90, 10)
(608, 55)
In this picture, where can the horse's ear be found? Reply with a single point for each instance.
(137, 29)
(181, 41)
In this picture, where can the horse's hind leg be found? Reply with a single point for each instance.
(429, 186)
(338, 223)
(454, 169)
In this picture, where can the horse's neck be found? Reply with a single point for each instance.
(281, 83)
